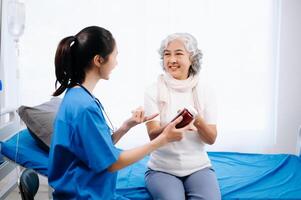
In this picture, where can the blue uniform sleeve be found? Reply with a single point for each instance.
(92, 141)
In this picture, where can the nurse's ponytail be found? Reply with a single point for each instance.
(63, 64)
(74, 55)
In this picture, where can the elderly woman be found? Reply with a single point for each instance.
(181, 170)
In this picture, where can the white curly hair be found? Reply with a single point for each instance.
(191, 45)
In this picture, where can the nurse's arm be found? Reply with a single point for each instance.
(169, 134)
(119, 133)
(131, 156)
(137, 118)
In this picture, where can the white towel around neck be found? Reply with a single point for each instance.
(167, 82)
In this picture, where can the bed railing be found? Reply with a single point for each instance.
(9, 125)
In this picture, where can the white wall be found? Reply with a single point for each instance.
(225, 31)
(289, 79)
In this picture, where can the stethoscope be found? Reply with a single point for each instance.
(111, 127)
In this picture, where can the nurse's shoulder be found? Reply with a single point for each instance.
(76, 101)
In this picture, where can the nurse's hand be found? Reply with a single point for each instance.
(138, 117)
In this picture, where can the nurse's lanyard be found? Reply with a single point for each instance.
(111, 127)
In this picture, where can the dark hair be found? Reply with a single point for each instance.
(74, 55)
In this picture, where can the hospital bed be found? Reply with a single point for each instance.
(240, 175)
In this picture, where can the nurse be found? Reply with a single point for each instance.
(83, 160)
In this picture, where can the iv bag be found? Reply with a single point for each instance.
(16, 18)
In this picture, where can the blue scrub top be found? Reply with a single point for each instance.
(81, 150)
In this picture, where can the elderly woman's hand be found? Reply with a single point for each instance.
(138, 116)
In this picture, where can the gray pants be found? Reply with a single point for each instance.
(199, 185)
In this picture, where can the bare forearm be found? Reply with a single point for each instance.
(118, 134)
(131, 156)
(207, 132)
(169, 134)
(155, 133)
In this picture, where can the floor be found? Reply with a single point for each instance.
(42, 193)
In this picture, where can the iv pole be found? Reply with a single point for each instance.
(16, 26)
